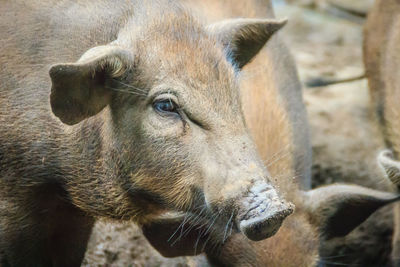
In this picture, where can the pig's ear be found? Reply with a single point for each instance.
(79, 89)
(390, 166)
(337, 209)
(244, 38)
(174, 236)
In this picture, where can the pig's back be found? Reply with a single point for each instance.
(33, 36)
(36, 34)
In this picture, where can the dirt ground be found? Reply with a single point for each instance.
(326, 43)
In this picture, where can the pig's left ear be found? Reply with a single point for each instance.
(337, 209)
(79, 90)
(244, 38)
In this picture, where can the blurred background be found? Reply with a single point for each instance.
(325, 38)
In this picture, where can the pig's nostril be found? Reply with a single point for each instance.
(266, 223)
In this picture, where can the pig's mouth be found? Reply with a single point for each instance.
(192, 232)
(258, 216)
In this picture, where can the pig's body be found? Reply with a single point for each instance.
(382, 63)
(38, 154)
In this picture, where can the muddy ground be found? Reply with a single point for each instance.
(326, 42)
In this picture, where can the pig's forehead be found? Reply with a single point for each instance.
(201, 65)
(175, 44)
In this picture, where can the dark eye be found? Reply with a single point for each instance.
(165, 106)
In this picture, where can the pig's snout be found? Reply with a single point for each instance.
(263, 212)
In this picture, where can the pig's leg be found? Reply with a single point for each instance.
(70, 237)
(42, 231)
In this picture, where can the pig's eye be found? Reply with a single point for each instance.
(165, 106)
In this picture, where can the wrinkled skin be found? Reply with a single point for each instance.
(381, 57)
(145, 115)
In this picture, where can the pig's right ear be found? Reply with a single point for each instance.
(79, 89)
(391, 166)
(337, 209)
(244, 38)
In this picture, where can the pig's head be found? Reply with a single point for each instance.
(166, 93)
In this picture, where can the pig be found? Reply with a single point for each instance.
(381, 58)
(124, 110)
(274, 112)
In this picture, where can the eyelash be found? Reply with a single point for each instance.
(166, 106)
(177, 110)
